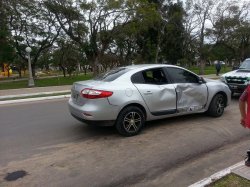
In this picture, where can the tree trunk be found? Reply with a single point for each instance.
(157, 53)
(85, 71)
(95, 67)
(63, 70)
(33, 70)
(20, 72)
(8, 69)
(202, 67)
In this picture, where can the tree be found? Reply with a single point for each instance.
(45, 59)
(135, 39)
(190, 37)
(173, 38)
(93, 25)
(219, 51)
(67, 57)
(199, 13)
(164, 38)
(6, 50)
(231, 29)
(32, 25)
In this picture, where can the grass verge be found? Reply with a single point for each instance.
(59, 81)
(210, 69)
(231, 180)
(55, 81)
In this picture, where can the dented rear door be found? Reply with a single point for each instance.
(160, 99)
(157, 92)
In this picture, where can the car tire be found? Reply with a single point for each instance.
(130, 121)
(217, 105)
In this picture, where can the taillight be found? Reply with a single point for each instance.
(95, 94)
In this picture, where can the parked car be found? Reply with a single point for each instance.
(127, 97)
(238, 79)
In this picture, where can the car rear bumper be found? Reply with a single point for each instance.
(93, 122)
(104, 113)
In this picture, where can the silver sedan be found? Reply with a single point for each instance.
(128, 96)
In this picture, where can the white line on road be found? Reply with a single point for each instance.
(33, 94)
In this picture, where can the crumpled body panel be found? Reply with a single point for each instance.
(191, 97)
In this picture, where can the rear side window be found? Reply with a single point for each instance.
(137, 78)
(112, 74)
(179, 75)
(150, 76)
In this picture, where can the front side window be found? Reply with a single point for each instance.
(179, 75)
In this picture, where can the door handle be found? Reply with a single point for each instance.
(148, 93)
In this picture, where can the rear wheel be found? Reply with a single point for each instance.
(130, 121)
(217, 105)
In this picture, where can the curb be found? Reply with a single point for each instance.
(33, 94)
(216, 176)
(34, 99)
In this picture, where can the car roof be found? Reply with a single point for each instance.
(143, 66)
(136, 68)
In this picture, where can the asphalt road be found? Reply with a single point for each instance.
(42, 139)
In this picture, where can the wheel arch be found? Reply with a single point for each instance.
(214, 94)
(136, 105)
(215, 108)
(224, 95)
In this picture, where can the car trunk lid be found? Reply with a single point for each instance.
(77, 88)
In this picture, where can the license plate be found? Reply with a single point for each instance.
(234, 87)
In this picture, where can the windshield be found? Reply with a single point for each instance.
(112, 74)
(245, 64)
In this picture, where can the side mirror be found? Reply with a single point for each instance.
(201, 80)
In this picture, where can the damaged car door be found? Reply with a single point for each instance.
(192, 92)
(156, 90)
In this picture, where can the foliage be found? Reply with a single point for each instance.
(31, 25)
(67, 57)
(95, 25)
(56, 81)
(222, 52)
(6, 49)
(104, 34)
(172, 43)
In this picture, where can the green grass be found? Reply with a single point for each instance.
(231, 180)
(210, 69)
(57, 81)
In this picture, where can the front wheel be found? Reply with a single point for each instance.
(217, 105)
(130, 121)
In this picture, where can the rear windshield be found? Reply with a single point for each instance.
(245, 64)
(111, 74)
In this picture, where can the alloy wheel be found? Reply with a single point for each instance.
(132, 121)
(220, 105)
